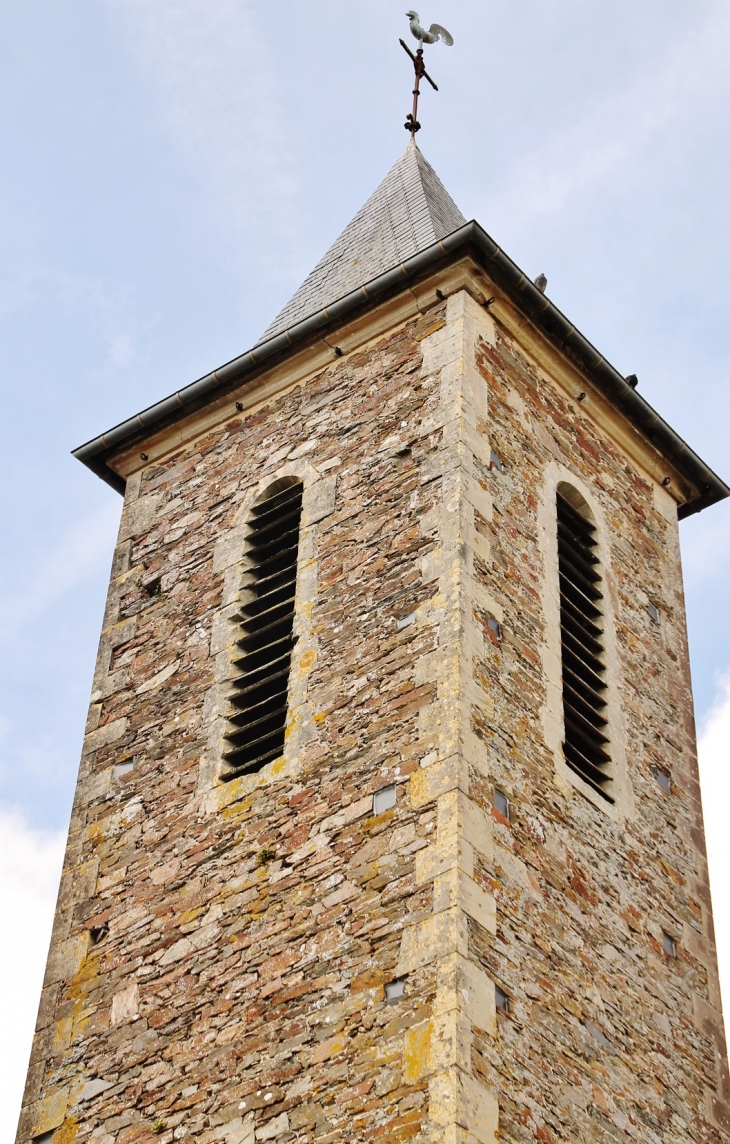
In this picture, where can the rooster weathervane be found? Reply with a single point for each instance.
(423, 36)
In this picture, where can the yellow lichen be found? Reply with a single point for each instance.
(67, 1132)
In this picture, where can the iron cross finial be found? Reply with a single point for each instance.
(435, 32)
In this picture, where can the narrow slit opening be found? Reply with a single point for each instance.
(259, 689)
(586, 745)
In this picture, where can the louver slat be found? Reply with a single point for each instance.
(585, 709)
(258, 698)
(582, 629)
(581, 625)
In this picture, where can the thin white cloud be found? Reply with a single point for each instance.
(30, 867)
(82, 553)
(618, 130)
(706, 546)
(104, 305)
(714, 754)
(122, 350)
(218, 89)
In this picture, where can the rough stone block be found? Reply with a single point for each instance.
(106, 734)
(66, 958)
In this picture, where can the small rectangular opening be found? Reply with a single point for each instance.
(653, 612)
(669, 945)
(501, 1000)
(98, 932)
(496, 462)
(663, 780)
(384, 799)
(394, 990)
(495, 626)
(123, 768)
(406, 621)
(501, 803)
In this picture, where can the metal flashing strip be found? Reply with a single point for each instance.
(545, 316)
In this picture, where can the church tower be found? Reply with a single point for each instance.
(388, 825)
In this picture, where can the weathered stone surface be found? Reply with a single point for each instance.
(244, 931)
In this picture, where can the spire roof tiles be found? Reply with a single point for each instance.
(410, 210)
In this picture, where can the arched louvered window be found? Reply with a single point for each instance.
(581, 626)
(260, 687)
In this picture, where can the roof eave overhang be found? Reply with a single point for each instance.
(470, 238)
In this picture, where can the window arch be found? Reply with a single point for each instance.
(585, 702)
(262, 661)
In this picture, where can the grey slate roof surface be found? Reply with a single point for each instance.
(410, 210)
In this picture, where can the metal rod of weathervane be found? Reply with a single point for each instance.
(435, 32)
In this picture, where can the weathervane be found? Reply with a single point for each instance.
(434, 33)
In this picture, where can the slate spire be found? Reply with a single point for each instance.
(410, 210)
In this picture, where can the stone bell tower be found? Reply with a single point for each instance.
(388, 824)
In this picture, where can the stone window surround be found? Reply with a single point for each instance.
(318, 502)
(566, 779)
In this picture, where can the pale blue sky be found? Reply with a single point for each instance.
(172, 169)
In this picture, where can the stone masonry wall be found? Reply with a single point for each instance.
(607, 1038)
(238, 995)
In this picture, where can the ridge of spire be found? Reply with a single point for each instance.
(410, 210)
